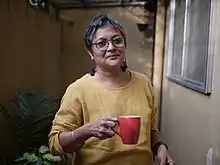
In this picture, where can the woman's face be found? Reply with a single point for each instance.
(108, 48)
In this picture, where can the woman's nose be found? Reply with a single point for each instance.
(111, 46)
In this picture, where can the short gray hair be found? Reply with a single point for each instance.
(100, 21)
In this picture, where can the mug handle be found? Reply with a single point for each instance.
(116, 131)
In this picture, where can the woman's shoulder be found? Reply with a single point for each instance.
(79, 84)
(140, 76)
(143, 80)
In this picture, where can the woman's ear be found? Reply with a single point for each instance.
(90, 54)
(92, 73)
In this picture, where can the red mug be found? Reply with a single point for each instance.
(129, 129)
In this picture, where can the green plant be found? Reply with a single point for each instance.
(3, 111)
(29, 118)
(4, 135)
(41, 156)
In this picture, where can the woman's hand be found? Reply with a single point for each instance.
(103, 128)
(163, 156)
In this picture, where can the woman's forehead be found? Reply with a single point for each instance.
(106, 32)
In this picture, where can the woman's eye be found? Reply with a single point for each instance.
(101, 43)
(118, 40)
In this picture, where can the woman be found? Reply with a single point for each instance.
(87, 117)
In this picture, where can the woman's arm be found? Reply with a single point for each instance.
(68, 133)
(67, 119)
(155, 137)
(156, 141)
(71, 141)
(102, 129)
(159, 148)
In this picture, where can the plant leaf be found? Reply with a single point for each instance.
(3, 111)
(43, 149)
(52, 158)
(47, 163)
(32, 115)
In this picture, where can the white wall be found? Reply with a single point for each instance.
(191, 121)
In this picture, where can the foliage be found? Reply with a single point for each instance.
(4, 136)
(29, 117)
(32, 117)
(3, 111)
(41, 156)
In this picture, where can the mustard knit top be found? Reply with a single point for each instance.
(86, 100)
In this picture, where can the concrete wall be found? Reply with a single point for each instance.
(190, 121)
(29, 49)
(139, 50)
(37, 52)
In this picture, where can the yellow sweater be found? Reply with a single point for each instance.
(85, 101)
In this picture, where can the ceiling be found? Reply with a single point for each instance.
(69, 4)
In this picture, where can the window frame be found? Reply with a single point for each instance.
(206, 87)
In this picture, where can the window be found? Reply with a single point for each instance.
(190, 55)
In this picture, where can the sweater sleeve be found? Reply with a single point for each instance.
(153, 107)
(151, 101)
(67, 118)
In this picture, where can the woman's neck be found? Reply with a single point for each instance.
(114, 78)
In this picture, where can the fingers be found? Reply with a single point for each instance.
(108, 124)
(103, 128)
(170, 161)
(164, 157)
(162, 161)
(105, 132)
(114, 119)
(116, 132)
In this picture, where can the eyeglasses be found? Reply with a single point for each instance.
(103, 44)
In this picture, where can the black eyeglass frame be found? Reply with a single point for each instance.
(112, 42)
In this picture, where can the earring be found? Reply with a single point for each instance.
(92, 73)
(124, 66)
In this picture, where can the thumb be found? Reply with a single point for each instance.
(162, 161)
